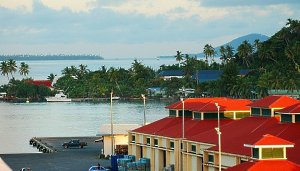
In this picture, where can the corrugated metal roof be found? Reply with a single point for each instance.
(266, 165)
(274, 102)
(294, 109)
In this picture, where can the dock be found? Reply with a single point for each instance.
(41, 146)
(57, 158)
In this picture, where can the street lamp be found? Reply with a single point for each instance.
(182, 101)
(219, 136)
(111, 125)
(144, 98)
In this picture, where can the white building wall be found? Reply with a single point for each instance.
(204, 147)
(194, 162)
(141, 139)
(164, 143)
(172, 158)
(134, 149)
(157, 159)
(228, 160)
(211, 169)
(148, 153)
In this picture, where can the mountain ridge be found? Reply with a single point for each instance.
(234, 43)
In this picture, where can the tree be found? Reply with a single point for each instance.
(229, 52)
(51, 77)
(24, 69)
(245, 51)
(223, 54)
(209, 51)
(4, 68)
(179, 57)
(12, 65)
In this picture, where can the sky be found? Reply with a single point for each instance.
(135, 28)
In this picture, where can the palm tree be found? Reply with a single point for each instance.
(209, 51)
(4, 68)
(24, 69)
(12, 65)
(229, 52)
(256, 44)
(51, 77)
(245, 51)
(179, 57)
(223, 54)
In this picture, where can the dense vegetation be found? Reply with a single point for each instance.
(273, 64)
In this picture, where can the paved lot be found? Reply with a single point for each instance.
(75, 159)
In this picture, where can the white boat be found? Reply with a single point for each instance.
(59, 97)
(116, 98)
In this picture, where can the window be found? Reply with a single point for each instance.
(255, 111)
(172, 113)
(197, 115)
(156, 142)
(255, 153)
(210, 158)
(193, 148)
(133, 138)
(148, 141)
(172, 145)
(297, 118)
(271, 153)
(286, 118)
(266, 112)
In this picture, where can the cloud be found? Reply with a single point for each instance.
(173, 9)
(73, 5)
(25, 5)
(234, 3)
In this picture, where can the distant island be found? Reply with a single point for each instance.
(51, 57)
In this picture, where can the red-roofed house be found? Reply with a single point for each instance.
(270, 104)
(46, 83)
(290, 114)
(269, 154)
(161, 140)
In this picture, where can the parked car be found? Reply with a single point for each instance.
(98, 168)
(74, 143)
(25, 169)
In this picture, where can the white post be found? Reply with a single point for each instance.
(111, 125)
(182, 101)
(219, 137)
(144, 97)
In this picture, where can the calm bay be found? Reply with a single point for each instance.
(21, 121)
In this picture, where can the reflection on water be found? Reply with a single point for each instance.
(22, 121)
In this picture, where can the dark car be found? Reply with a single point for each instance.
(74, 143)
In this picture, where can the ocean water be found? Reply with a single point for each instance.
(19, 122)
(40, 70)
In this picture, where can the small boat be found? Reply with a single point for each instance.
(116, 98)
(59, 97)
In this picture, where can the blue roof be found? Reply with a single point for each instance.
(171, 73)
(203, 75)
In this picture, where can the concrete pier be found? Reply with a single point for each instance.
(59, 159)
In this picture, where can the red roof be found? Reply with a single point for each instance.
(208, 104)
(294, 109)
(272, 140)
(46, 83)
(246, 131)
(172, 127)
(274, 102)
(266, 165)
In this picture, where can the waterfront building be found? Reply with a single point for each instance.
(163, 142)
(119, 140)
(270, 154)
